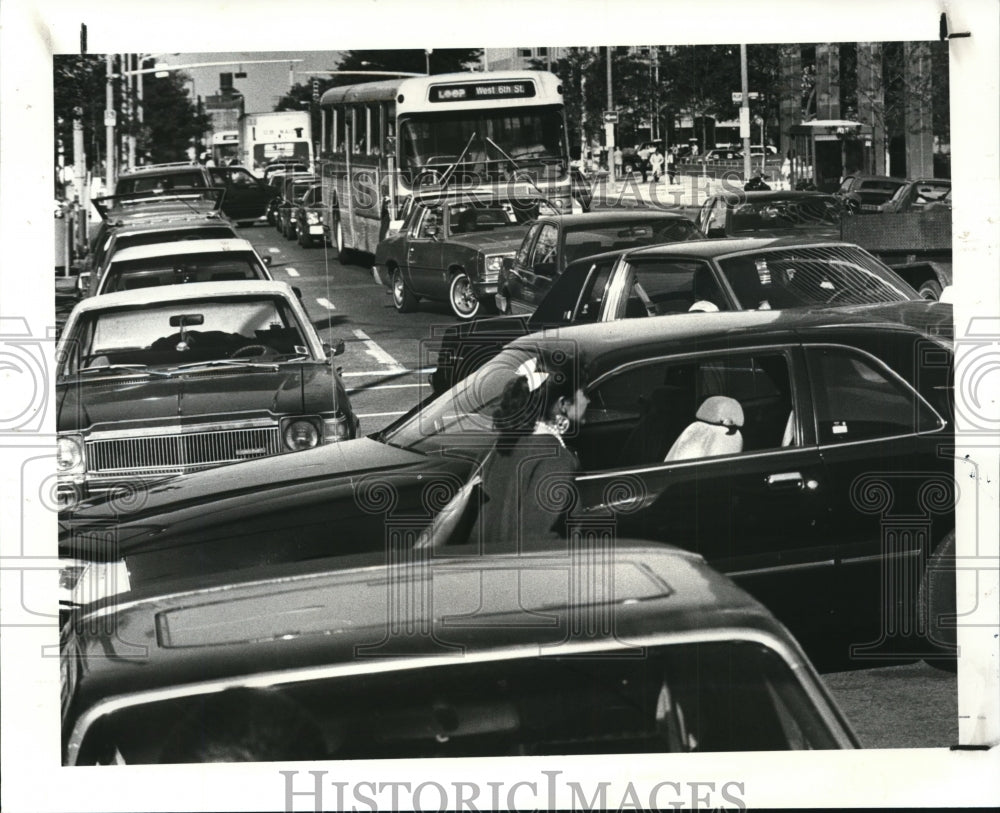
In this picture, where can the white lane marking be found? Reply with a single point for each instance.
(383, 372)
(377, 353)
(291, 272)
(374, 387)
(379, 414)
(273, 250)
(326, 303)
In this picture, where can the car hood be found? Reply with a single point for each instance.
(505, 239)
(125, 401)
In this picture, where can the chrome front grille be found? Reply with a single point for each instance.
(180, 453)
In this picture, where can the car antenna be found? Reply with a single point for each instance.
(448, 173)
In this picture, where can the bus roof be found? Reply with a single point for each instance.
(416, 87)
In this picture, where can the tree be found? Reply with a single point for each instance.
(171, 122)
(444, 60)
(701, 81)
(170, 119)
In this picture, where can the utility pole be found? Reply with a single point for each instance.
(609, 128)
(745, 113)
(109, 126)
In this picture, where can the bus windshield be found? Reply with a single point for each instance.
(499, 141)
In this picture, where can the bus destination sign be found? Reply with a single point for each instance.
(475, 91)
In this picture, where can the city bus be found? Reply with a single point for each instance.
(468, 133)
(225, 147)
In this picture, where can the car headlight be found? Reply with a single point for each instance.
(312, 218)
(69, 455)
(494, 262)
(301, 434)
(83, 582)
(335, 429)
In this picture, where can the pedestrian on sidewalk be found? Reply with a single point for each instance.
(618, 163)
(656, 164)
(672, 164)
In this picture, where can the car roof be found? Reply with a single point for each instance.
(192, 290)
(603, 346)
(182, 247)
(710, 248)
(294, 616)
(610, 218)
(739, 196)
(160, 169)
(168, 223)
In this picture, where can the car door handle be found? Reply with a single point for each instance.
(785, 479)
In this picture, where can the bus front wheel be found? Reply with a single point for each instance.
(343, 253)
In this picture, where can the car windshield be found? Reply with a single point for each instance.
(811, 275)
(184, 332)
(598, 239)
(791, 214)
(680, 697)
(463, 417)
(209, 266)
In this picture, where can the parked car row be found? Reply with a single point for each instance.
(184, 352)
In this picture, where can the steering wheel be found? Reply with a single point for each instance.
(243, 351)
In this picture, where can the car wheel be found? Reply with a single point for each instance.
(402, 296)
(936, 604)
(931, 289)
(461, 296)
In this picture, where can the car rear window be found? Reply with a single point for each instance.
(669, 698)
(214, 266)
(598, 239)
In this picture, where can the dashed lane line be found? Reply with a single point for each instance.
(291, 272)
(326, 303)
(380, 355)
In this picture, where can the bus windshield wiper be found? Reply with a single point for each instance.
(502, 151)
(451, 169)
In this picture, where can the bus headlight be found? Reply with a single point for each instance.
(312, 218)
(300, 434)
(69, 455)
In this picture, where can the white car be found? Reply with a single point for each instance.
(177, 262)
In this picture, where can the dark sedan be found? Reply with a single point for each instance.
(552, 242)
(452, 251)
(160, 381)
(867, 192)
(301, 657)
(837, 422)
(772, 214)
(307, 215)
(700, 275)
(293, 189)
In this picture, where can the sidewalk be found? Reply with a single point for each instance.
(687, 195)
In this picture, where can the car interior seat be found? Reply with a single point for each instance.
(715, 431)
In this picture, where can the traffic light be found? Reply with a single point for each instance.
(315, 89)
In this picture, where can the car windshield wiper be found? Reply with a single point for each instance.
(134, 368)
(273, 365)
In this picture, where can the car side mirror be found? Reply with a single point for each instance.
(335, 349)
